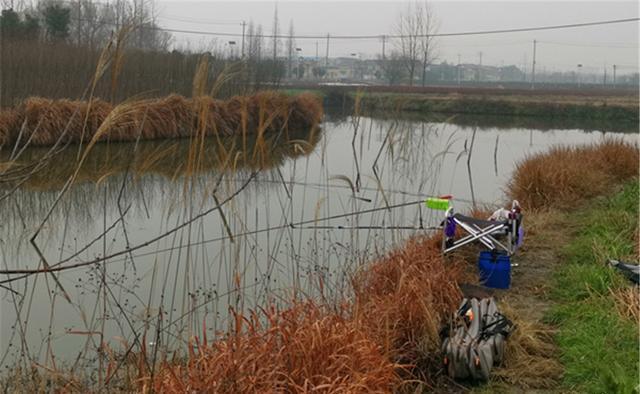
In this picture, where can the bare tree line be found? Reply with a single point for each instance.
(53, 37)
(416, 48)
(50, 48)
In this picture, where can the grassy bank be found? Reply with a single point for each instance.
(548, 107)
(592, 307)
(599, 345)
(601, 109)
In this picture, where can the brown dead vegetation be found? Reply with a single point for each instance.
(44, 122)
(564, 176)
(304, 348)
(390, 332)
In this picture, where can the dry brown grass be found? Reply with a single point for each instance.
(389, 333)
(627, 302)
(7, 123)
(404, 299)
(301, 349)
(528, 361)
(47, 121)
(563, 176)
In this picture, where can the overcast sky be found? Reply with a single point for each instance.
(594, 47)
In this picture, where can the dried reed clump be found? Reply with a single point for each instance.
(404, 299)
(8, 122)
(564, 175)
(301, 349)
(47, 121)
(627, 302)
(529, 362)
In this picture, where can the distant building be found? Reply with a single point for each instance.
(353, 69)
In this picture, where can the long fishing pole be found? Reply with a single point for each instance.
(339, 227)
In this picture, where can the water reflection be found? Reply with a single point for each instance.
(168, 260)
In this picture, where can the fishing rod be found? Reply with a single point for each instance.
(437, 203)
(340, 227)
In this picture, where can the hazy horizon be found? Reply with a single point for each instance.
(594, 47)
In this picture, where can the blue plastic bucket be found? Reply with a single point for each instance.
(495, 270)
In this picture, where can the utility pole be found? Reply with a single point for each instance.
(79, 22)
(326, 56)
(117, 15)
(533, 66)
(614, 75)
(244, 24)
(458, 69)
(480, 66)
(316, 51)
(384, 41)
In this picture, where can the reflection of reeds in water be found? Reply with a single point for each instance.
(43, 122)
(167, 158)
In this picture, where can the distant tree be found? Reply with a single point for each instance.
(291, 48)
(12, 27)
(31, 27)
(393, 67)
(274, 45)
(300, 71)
(319, 72)
(10, 24)
(56, 19)
(428, 43)
(275, 31)
(416, 43)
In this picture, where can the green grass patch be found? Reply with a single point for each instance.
(599, 348)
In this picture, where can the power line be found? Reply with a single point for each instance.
(386, 36)
(203, 22)
(594, 45)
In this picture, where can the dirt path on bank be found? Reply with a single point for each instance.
(532, 364)
(546, 234)
(532, 358)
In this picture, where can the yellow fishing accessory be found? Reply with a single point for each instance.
(437, 203)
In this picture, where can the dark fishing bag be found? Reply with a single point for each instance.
(476, 339)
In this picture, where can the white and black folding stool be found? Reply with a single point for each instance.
(486, 232)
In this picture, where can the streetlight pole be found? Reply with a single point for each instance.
(353, 67)
(579, 67)
(533, 66)
(231, 44)
(458, 69)
(298, 58)
(244, 24)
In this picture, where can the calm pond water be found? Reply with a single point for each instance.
(304, 212)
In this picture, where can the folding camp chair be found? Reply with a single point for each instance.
(505, 234)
